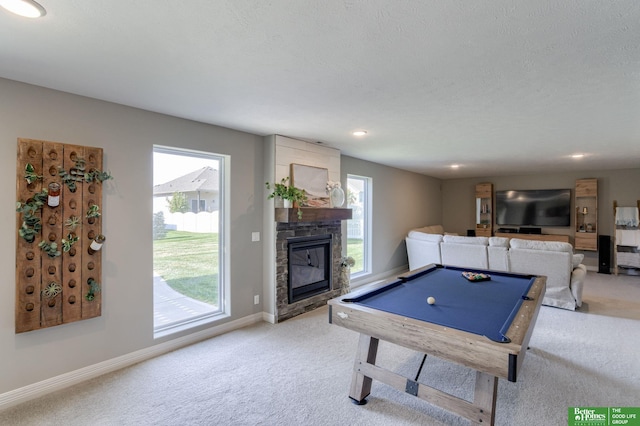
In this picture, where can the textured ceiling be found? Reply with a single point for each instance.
(499, 87)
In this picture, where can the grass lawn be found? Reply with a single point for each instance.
(188, 262)
(355, 249)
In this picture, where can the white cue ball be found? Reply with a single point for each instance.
(431, 300)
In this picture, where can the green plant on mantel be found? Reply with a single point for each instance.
(287, 192)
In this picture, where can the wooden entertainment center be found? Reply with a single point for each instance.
(585, 218)
(535, 237)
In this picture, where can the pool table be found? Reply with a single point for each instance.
(485, 325)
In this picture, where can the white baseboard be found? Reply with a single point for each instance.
(368, 279)
(267, 317)
(35, 390)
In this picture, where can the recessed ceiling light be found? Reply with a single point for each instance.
(577, 156)
(26, 8)
(359, 133)
(455, 166)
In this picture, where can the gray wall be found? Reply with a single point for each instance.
(621, 185)
(402, 200)
(127, 136)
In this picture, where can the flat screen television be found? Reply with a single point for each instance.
(534, 207)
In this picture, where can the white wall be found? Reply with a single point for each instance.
(127, 136)
(293, 151)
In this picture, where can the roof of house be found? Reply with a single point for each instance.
(204, 179)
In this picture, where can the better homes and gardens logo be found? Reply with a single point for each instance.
(604, 416)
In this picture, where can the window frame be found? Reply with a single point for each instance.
(367, 207)
(222, 312)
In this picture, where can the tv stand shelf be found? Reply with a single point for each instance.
(586, 219)
(535, 237)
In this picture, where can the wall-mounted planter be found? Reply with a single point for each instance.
(43, 165)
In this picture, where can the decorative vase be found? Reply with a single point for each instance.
(287, 204)
(279, 202)
(337, 197)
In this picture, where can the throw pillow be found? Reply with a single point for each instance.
(577, 260)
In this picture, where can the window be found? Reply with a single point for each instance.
(359, 227)
(187, 238)
(198, 206)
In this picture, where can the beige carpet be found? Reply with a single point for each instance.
(298, 372)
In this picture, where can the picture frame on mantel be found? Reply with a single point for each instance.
(314, 181)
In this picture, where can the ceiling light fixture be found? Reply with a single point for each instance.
(577, 156)
(359, 133)
(455, 166)
(26, 8)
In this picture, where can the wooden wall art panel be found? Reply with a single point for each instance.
(58, 270)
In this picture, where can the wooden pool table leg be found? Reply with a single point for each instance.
(484, 398)
(361, 384)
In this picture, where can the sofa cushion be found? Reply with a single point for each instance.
(577, 260)
(498, 258)
(464, 255)
(481, 241)
(418, 235)
(499, 242)
(517, 243)
(555, 265)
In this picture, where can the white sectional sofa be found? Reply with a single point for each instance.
(564, 271)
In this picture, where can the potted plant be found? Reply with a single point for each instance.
(279, 190)
(31, 222)
(72, 223)
(94, 287)
(30, 174)
(50, 248)
(93, 212)
(69, 241)
(75, 175)
(291, 196)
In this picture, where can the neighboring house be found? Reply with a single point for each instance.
(201, 188)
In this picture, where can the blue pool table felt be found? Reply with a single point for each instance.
(485, 307)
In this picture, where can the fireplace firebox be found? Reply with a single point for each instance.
(309, 266)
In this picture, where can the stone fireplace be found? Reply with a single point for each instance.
(321, 234)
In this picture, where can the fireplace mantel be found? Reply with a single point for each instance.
(312, 214)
